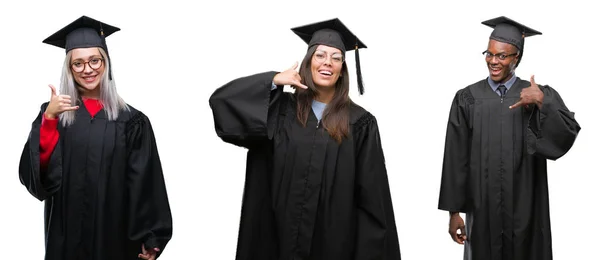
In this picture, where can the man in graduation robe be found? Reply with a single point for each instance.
(501, 130)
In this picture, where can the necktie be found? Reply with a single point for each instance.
(502, 90)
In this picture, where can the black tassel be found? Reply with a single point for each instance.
(361, 88)
(106, 49)
(109, 61)
(109, 69)
(520, 54)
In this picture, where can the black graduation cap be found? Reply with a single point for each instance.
(335, 34)
(509, 31)
(84, 32)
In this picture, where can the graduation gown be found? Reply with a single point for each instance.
(494, 169)
(103, 189)
(305, 196)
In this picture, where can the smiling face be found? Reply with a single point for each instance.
(87, 66)
(326, 66)
(501, 70)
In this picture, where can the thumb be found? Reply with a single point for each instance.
(533, 80)
(52, 89)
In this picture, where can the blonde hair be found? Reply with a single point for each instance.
(111, 100)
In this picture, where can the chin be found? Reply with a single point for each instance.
(497, 78)
(325, 83)
(89, 86)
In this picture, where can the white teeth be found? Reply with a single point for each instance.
(324, 72)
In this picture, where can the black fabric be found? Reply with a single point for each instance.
(306, 196)
(103, 190)
(84, 32)
(494, 169)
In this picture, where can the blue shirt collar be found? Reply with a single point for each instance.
(508, 84)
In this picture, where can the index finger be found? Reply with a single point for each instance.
(70, 108)
(518, 104)
(298, 84)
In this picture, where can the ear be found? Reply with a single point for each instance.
(513, 63)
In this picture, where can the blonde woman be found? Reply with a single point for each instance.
(93, 160)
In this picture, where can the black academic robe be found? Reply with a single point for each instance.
(103, 189)
(494, 169)
(306, 196)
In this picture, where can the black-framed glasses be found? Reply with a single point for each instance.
(336, 58)
(500, 56)
(79, 65)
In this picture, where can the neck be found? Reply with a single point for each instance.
(86, 93)
(507, 78)
(325, 95)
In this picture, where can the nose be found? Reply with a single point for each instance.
(327, 60)
(494, 60)
(87, 68)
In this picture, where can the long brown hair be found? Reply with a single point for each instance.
(336, 115)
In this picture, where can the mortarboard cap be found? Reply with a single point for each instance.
(510, 31)
(335, 34)
(84, 32)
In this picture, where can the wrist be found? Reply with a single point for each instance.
(275, 79)
(49, 116)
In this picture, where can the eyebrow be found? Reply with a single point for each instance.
(337, 52)
(90, 57)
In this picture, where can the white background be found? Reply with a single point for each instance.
(170, 56)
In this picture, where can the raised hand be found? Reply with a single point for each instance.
(58, 104)
(289, 77)
(530, 95)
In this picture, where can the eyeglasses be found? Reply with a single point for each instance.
(321, 56)
(79, 65)
(500, 56)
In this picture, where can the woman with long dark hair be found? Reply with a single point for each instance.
(316, 182)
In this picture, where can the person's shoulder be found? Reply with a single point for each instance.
(465, 94)
(473, 86)
(359, 116)
(131, 115)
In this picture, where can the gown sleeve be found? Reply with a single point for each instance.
(553, 129)
(150, 220)
(48, 140)
(455, 168)
(41, 182)
(244, 110)
(377, 237)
